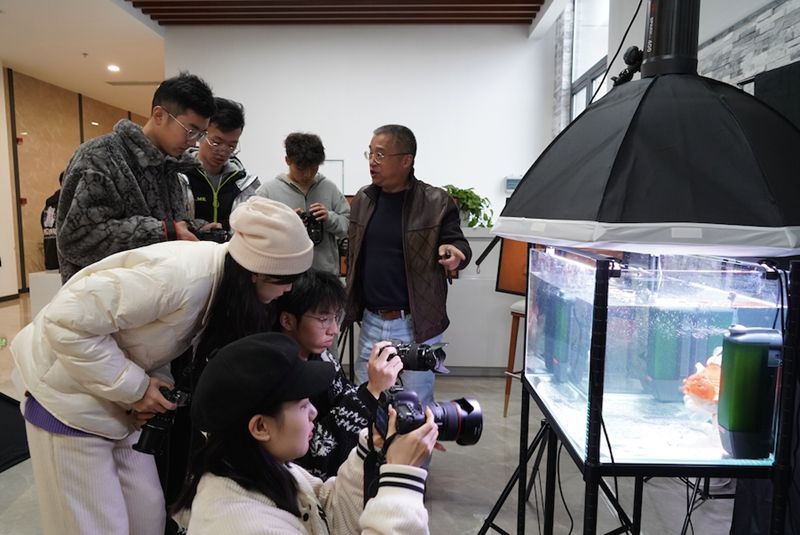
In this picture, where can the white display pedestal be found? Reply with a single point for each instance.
(480, 317)
(43, 286)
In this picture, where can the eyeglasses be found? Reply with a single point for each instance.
(379, 156)
(191, 133)
(223, 148)
(326, 322)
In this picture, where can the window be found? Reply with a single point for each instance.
(589, 51)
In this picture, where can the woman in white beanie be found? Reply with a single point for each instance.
(92, 361)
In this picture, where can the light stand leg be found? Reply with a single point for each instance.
(638, 490)
(550, 481)
(537, 445)
(523, 460)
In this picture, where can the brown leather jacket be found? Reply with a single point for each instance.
(430, 218)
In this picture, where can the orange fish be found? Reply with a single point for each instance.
(704, 383)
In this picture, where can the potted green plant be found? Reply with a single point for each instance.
(476, 211)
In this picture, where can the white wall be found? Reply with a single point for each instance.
(9, 275)
(478, 98)
(715, 16)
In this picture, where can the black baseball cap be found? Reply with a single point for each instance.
(251, 375)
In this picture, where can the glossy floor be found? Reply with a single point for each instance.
(465, 482)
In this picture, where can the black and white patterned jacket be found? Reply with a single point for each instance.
(343, 411)
(118, 190)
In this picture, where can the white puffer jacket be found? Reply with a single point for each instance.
(88, 355)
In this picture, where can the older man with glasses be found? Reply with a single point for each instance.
(121, 190)
(405, 237)
(221, 182)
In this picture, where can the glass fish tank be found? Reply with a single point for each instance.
(665, 321)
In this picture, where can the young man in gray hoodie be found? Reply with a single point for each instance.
(309, 193)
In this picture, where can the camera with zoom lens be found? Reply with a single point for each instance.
(422, 357)
(219, 235)
(459, 420)
(313, 227)
(156, 430)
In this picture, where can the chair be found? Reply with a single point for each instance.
(517, 312)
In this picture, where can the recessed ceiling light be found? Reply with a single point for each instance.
(23, 133)
(113, 68)
(95, 123)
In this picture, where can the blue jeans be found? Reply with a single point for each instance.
(374, 329)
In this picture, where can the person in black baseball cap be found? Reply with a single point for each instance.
(252, 403)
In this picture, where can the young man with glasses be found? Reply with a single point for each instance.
(404, 236)
(307, 191)
(311, 313)
(121, 190)
(221, 182)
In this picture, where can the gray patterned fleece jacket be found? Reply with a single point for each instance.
(118, 190)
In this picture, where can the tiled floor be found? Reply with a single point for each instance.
(465, 482)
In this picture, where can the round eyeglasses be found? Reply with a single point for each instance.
(326, 322)
(379, 156)
(191, 133)
(223, 148)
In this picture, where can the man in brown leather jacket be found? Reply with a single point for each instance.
(404, 236)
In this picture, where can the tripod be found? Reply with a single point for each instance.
(545, 439)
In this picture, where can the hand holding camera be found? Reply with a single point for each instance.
(163, 402)
(319, 211)
(415, 447)
(153, 400)
(382, 369)
(312, 224)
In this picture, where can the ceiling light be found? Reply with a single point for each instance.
(113, 68)
(23, 133)
(95, 123)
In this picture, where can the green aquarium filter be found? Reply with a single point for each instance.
(680, 337)
(751, 357)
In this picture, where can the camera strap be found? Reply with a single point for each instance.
(372, 465)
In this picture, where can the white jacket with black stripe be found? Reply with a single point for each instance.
(331, 507)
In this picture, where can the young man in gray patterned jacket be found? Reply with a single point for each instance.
(121, 190)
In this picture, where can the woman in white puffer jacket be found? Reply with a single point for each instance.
(92, 361)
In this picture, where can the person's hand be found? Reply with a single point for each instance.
(413, 448)
(450, 257)
(209, 226)
(381, 370)
(152, 402)
(319, 211)
(182, 231)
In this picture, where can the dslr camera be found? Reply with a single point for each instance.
(156, 430)
(313, 227)
(422, 357)
(219, 235)
(460, 420)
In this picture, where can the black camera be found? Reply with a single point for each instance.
(460, 420)
(219, 235)
(313, 227)
(422, 357)
(155, 431)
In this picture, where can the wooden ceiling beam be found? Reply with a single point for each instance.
(329, 3)
(338, 11)
(330, 11)
(443, 20)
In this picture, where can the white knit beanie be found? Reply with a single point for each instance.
(269, 238)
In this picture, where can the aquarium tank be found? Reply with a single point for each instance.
(667, 317)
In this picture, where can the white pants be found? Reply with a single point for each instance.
(93, 485)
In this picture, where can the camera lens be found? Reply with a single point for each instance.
(459, 419)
